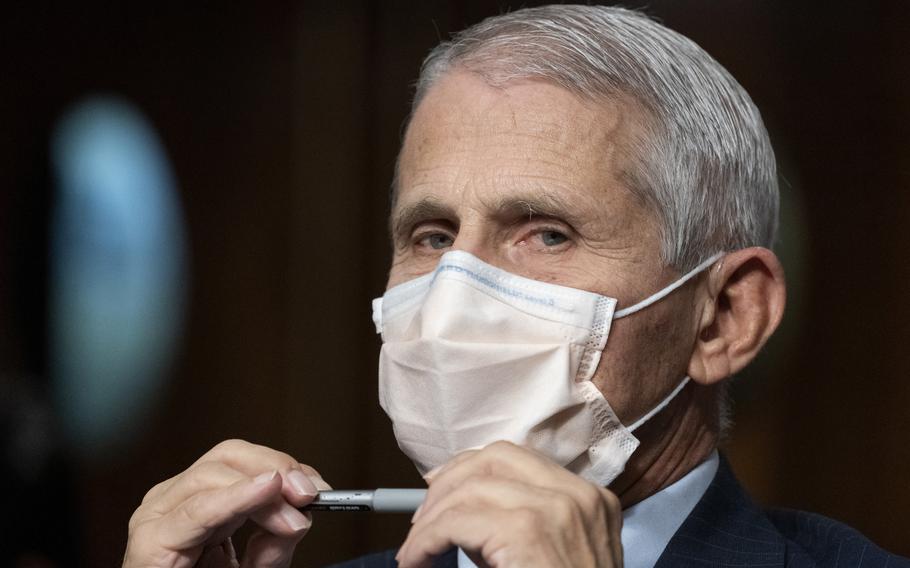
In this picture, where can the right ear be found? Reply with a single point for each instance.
(746, 302)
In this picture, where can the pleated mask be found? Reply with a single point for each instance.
(473, 354)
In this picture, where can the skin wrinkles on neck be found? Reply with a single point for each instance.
(671, 446)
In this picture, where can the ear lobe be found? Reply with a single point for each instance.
(743, 305)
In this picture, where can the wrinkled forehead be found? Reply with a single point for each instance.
(529, 124)
(532, 147)
(532, 105)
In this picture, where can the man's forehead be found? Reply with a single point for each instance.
(464, 122)
(462, 100)
(530, 147)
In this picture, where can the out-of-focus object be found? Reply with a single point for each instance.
(117, 272)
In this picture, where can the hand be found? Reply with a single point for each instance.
(508, 506)
(188, 520)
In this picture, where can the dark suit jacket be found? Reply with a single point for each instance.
(727, 529)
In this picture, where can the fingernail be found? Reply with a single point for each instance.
(320, 483)
(264, 478)
(416, 513)
(294, 518)
(301, 483)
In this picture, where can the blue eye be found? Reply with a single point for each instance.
(439, 241)
(552, 238)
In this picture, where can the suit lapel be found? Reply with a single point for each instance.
(725, 528)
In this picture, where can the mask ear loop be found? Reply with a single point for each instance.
(644, 304)
(663, 404)
(668, 290)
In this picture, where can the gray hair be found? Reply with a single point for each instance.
(703, 164)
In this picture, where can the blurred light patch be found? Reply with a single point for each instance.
(118, 278)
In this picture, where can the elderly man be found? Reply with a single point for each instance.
(582, 220)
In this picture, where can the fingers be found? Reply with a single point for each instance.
(502, 459)
(508, 461)
(207, 477)
(459, 457)
(300, 482)
(482, 532)
(187, 517)
(249, 458)
(455, 527)
(486, 493)
(297, 487)
(533, 514)
(508, 506)
(196, 520)
(218, 556)
(614, 526)
(265, 550)
(201, 477)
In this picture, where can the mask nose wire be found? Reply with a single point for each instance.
(660, 295)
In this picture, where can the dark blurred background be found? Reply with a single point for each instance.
(281, 123)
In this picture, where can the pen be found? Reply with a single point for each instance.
(377, 500)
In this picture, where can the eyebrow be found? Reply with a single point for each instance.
(410, 215)
(510, 207)
(537, 205)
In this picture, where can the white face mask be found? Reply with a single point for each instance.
(473, 354)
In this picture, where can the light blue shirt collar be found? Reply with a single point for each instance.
(648, 526)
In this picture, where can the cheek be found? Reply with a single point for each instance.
(405, 268)
(647, 354)
(572, 267)
(524, 260)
